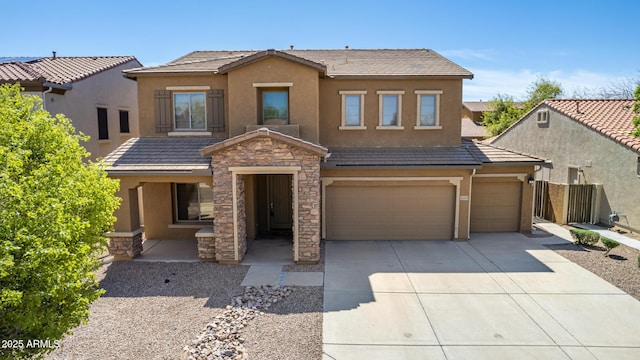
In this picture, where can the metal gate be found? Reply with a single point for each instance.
(541, 206)
(580, 207)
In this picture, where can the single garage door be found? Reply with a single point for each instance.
(362, 211)
(495, 204)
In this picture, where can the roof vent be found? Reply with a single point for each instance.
(578, 108)
(346, 47)
(291, 47)
(54, 54)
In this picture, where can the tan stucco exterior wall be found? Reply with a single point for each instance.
(107, 89)
(157, 203)
(146, 101)
(331, 114)
(566, 143)
(303, 95)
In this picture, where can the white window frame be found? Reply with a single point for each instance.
(419, 94)
(173, 101)
(343, 121)
(176, 220)
(381, 94)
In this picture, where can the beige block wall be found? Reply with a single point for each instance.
(303, 95)
(146, 102)
(331, 114)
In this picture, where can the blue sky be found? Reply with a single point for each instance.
(586, 44)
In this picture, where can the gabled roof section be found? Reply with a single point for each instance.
(336, 63)
(493, 155)
(59, 70)
(609, 117)
(264, 132)
(167, 155)
(243, 61)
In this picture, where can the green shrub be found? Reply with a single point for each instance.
(639, 261)
(585, 237)
(610, 244)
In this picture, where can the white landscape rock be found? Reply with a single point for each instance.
(221, 339)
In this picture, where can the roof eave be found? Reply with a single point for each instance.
(398, 76)
(185, 172)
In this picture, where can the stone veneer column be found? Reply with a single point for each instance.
(125, 245)
(309, 211)
(206, 244)
(223, 214)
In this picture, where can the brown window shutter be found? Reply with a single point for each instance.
(163, 116)
(215, 110)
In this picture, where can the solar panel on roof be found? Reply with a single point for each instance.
(19, 59)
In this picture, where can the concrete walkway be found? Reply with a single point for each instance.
(497, 296)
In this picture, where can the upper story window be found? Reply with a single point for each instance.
(352, 110)
(390, 109)
(124, 122)
(275, 107)
(103, 124)
(189, 111)
(428, 111)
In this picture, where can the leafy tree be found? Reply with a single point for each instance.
(54, 210)
(504, 111)
(541, 90)
(636, 110)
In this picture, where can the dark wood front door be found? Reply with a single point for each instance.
(279, 202)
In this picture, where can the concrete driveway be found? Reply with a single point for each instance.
(498, 296)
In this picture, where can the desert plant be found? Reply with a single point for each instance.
(638, 261)
(585, 237)
(610, 244)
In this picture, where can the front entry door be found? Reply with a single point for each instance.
(280, 212)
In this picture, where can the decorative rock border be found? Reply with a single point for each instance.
(221, 339)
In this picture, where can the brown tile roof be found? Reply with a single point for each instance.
(339, 63)
(60, 70)
(18, 72)
(476, 106)
(493, 155)
(469, 155)
(609, 117)
(472, 130)
(160, 154)
(264, 132)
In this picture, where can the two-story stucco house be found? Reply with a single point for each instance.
(318, 144)
(586, 141)
(89, 90)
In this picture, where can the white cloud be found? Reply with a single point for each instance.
(486, 84)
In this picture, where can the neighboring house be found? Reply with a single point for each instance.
(310, 144)
(472, 130)
(89, 90)
(473, 110)
(587, 142)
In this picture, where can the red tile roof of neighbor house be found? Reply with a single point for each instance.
(609, 117)
(60, 69)
(338, 63)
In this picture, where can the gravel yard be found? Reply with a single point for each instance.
(152, 310)
(620, 268)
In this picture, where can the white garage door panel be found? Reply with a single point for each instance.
(389, 212)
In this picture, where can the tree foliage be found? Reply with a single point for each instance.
(636, 110)
(54, 210)
(504, 111)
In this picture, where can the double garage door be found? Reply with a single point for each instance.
(415, 211)
(389, 211)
